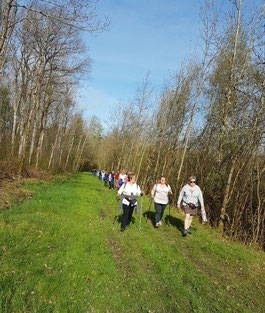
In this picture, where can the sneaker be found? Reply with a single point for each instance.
(122, 230)
(185, 232)
(160, 223)
(157, 225)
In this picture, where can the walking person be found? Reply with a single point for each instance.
(191, 198)
(122, 178)
(160, 193)
(117, 175)
(129, 192)
(111, 178)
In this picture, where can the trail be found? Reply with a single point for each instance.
(61, 253)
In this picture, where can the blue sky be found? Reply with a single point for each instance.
(145, 36)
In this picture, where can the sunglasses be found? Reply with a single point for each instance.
(192, 182)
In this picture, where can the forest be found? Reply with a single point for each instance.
(208, 121)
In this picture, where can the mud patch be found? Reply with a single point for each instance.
(102, 215)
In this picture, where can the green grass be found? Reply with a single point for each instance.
(61, 252)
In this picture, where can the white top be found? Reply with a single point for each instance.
(122, 177)
(161, 193)
(128, 190)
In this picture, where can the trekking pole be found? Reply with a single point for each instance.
(141, 206)
(169, 207)
(116, 209)
(151, 199)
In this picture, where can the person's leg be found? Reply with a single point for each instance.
(158, 209)
(190, 221)
(163, 207)
(124, 216)
(187, 223)
(130, 215)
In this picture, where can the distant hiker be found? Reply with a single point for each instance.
(122, 178)
(117, 175)
(111, 178)
(161, 193)
(192, 199)
(129, 192)
(106, 180)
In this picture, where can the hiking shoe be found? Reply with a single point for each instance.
(189, 231)
(122, 230)
(157, 225)
(185, 232)
(160, 223)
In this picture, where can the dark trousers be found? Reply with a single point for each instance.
(111, 184)
(127, 215)
(160, 208)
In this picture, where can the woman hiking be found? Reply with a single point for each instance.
(160, 192)
(129, 192)
(192, 199)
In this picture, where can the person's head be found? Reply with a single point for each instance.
(131, 177)
(163, 180)
(192, 180)
(123, 172)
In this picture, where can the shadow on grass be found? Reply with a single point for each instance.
(149, 215)
(174, 221)
(118, 219)
(169, 220)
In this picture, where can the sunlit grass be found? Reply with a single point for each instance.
(61, 252)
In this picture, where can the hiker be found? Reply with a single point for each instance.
(106, 180)
(192, 199)
(122, 178)
(160, 193)
(111, 178)
(129, 192)
(117, 175)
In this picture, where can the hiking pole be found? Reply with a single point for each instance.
(141, 206)
(151, 199)
(116, 209)
(169, 207)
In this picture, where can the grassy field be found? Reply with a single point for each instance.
(61, 252)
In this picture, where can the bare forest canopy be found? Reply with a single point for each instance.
(209, 119)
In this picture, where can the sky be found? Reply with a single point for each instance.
(153, 36)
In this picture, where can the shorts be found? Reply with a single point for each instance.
(190, 211)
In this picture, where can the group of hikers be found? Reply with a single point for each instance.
(190, 197)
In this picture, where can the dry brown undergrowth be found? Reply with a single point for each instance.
(11, 187)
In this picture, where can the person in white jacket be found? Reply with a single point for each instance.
(129, 192)
(191, 198)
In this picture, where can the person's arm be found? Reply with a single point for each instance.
(139, 192)
(181, 194)
(170, 191)
(200, 197)
(120, 191)
(203, 213)
(153, 191)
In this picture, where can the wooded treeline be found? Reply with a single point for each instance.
(42, 58)
(209, 121)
